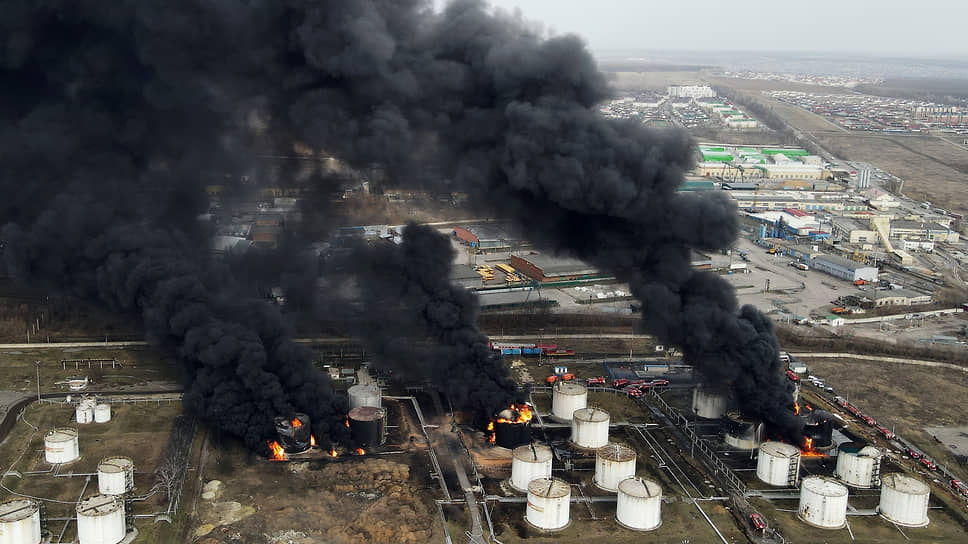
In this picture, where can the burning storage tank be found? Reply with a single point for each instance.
(84, 413)
(823, 503)
(529, 462)
(858, 465)
(639, 504)
(566, 398)
(367, 425)
(20, 522)
(589, 428)
(365, 395)
(549, 502)
(60, 446)
(102, 413)
(709, 403)
(741, 432)
(904, 500)
(778, 464)
(511, 427)
(613, 463)
(100, 520)
(818, 427)
(115, 475)
(295, 435)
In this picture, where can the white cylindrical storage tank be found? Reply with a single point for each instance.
(858, 465)
(60, 446)
(549, 502)
(639, 504)
(566, 398)
(613, 463)
(589, 428)
(529, 462)
(823, 502)
(904, 500)
(365, 395)
(115, 475)
(102, 413)
(84, 413)
(100, 520)
(20, 522)
(709, 403)
(778, 464)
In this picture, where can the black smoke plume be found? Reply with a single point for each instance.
(113, 117)
(427, 328)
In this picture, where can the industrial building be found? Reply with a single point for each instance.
(485, 237)
(844, 268)
(547, 268)
(934, 232)
(850, 230)
(900, 297)
(690, 91)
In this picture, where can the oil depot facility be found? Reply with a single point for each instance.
(565, 467)
(646, 452)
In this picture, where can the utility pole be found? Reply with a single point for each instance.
(37, 363)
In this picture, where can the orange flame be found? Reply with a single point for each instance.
(807, 449)
(360, 451)
(332, 453)
(278, 453)
(807, 406)
(312, 440)
(796, 408)
(520, 413)
(296, 423)
(347, 422)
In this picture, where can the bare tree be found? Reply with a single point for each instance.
(173, 463)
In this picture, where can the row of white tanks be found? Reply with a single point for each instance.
(100, 520)
(548, 505)
(823, 501)
(858, 465)
(88, 410)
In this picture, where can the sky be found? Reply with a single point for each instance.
(922, 28)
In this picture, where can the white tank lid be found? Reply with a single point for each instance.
(18, 509)
(824, 486)
(61, 435)
(640, 487)
(98, 505)
(570, 388)
(591, 415)
(616, 452)
(779, 449)
(905, 484)
(540, 454)
(550, 488)
(115, 464)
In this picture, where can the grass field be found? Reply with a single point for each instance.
(138, 367)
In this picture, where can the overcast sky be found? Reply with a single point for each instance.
(933, 28)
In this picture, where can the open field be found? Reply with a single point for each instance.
(139, 431)
(138, 368)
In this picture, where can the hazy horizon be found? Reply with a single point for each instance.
(885, 29)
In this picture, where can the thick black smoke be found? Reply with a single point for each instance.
(125, 108)
(427, 328)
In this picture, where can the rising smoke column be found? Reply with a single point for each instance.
(128, 103)
(427, 328)
(510, 117)
(113, 117)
